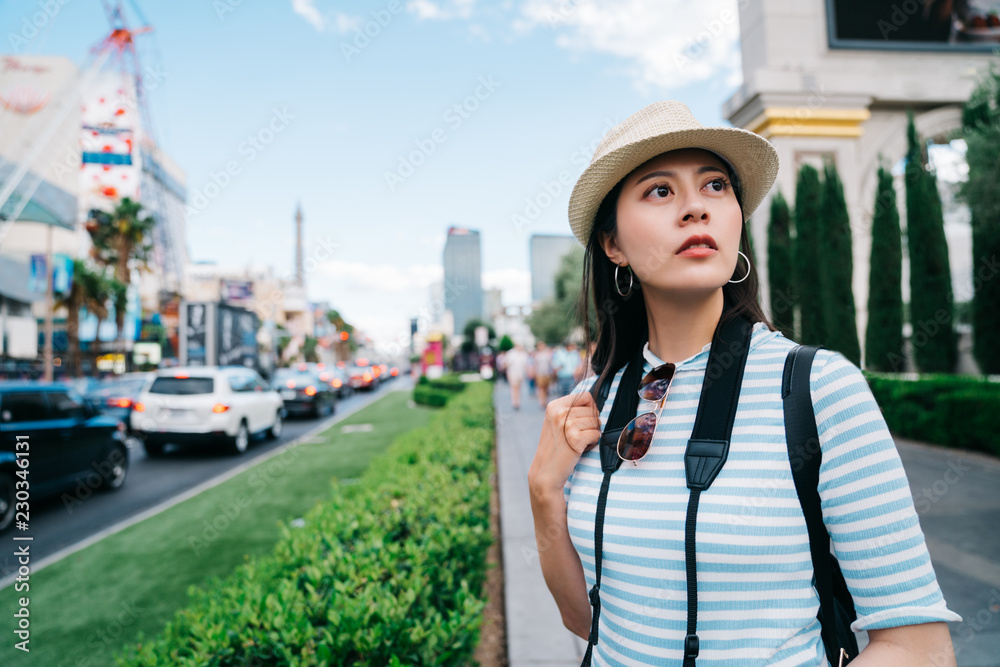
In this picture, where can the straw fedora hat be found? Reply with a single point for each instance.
(658, 128)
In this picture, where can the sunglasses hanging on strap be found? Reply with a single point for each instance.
(706, 453)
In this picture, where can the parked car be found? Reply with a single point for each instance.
(199, 404)
(305, 392)
(65, 442)
(116, 396)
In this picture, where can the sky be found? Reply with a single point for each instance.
(398, 119)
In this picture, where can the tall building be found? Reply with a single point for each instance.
(463, 290)
(547, 251)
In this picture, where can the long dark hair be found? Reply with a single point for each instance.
(621, 321)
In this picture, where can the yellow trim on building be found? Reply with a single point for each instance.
(805, 122)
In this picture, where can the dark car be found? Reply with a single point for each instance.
(52, 441)
(115, 397)
(304, 393)
(362, 377)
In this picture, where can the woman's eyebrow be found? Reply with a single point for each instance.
(669, 174)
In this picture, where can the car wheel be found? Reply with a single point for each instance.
(6, 500)
(154, 450)
(241, 441)
(277, 427)
(115, 469)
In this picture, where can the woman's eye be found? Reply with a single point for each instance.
(718, 185)
(660, 191)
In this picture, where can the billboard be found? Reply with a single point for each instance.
(110, 168)
(925, 25)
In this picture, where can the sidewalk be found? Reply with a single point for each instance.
(535, 632)
(955, 493)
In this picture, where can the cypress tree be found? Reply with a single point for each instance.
(839, 315)
(807, 260)
(981, 121)
(932, 310)
(779, 267)
(884, 337)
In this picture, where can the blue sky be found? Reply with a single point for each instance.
(537, 82)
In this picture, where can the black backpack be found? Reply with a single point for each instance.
(706, 453)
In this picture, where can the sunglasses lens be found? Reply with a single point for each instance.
(637, 436)
(654, 386)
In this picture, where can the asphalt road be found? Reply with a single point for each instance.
(63, 521)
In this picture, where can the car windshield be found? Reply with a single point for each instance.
(178, 385)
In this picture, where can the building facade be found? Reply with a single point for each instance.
(463, 289)
(545, 254)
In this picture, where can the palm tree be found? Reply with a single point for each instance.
(120, 238)
(89, 289)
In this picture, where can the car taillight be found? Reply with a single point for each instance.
(139, 407)
(367, 377)
(310, 391)
(394, 372)
(120, 402)
(336, 383)
(219, 408)
(290, 384)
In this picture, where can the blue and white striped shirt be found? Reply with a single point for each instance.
(756, 601)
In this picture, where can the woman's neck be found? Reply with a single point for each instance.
(680, 327)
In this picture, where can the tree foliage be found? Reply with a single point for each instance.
(884, 349)
(807, 257)
(839, 314)
(780, 271)
(981, 121)
(935, 348)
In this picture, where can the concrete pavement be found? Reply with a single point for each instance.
(536, 636)
(956, 493)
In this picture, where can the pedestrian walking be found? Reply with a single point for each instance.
(542, 372)
(516, 363)
(565, 361)
(706, 546)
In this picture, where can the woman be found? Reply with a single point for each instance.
(516, 361)
(661, 210)
(542, 369)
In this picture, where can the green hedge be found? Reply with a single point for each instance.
(437, 392)
(950, 410)
(386, 572)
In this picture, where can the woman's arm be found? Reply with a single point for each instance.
(924, 645)
(560, 563)
(572, 426)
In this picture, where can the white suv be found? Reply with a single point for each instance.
(199, 403)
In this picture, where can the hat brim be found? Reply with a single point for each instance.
(751, 156)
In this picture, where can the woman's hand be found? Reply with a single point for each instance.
(572, 426)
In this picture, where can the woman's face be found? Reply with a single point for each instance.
(665, 202)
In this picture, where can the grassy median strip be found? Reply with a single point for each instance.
(389, 571)
(88, 606)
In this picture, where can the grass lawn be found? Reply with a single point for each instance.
(87, 606)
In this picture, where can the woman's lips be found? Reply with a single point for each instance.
(697, 252)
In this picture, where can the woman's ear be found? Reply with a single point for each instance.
(610, 246)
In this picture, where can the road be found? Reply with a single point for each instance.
(63, 521)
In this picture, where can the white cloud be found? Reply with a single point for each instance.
(515, 284)
(669, 43)
(307, 10)
(442, 10)
(345, 23)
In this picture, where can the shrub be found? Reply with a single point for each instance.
(387, 572)
(955, 411)
(428, 395)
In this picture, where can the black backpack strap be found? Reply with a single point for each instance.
(622, 411)
(836, 607)
(708, 448)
